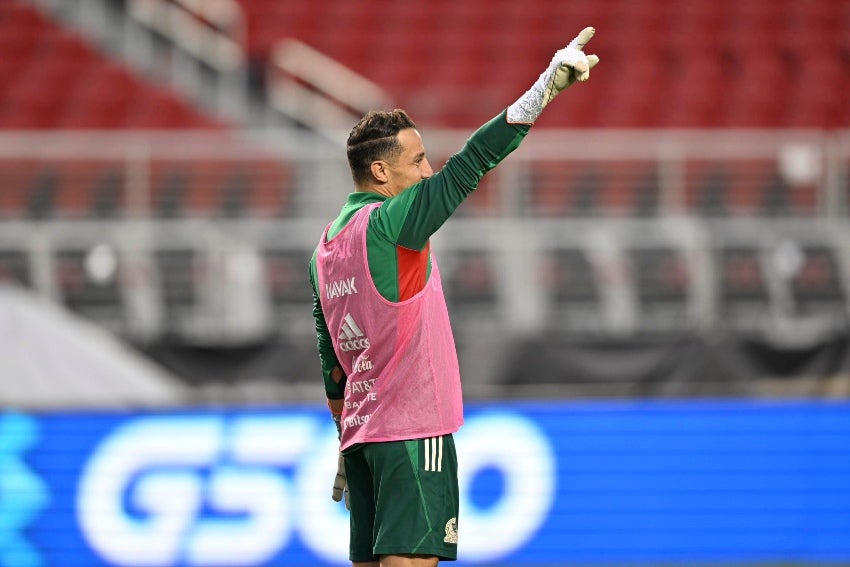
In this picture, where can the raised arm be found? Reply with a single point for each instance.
(417, 213)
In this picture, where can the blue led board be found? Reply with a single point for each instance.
(626, 483)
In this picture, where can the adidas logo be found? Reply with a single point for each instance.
(351, 336)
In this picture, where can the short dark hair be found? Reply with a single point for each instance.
(375, 137)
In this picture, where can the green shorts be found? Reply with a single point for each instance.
(404, 498)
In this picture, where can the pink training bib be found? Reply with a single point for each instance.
(400, 358)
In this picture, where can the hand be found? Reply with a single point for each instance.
(340, 489)
(567, 66)
(571, 64)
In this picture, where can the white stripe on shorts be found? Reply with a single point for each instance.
(433, 454)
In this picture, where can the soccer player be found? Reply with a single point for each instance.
(385, 344)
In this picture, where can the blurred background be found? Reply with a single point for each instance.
(649, 297)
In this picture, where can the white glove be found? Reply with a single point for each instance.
(340, 489)
(568, 65)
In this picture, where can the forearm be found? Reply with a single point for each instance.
(436, 198)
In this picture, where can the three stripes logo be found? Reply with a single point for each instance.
(433, 454)
(351, 336)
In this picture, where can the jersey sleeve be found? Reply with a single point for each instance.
(412, 217)
(327, 356)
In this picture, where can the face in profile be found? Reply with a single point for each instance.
(410, 166)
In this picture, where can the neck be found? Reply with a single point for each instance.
(379, 189)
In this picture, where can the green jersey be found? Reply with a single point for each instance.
(397, 237)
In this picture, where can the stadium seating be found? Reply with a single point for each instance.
(95, 300)
(471, 283)
(572, 283)
(754, 63)
(816, 287)
(51, 78)
(744, 301)
(666, 64)
(762, 64)
(14, 268)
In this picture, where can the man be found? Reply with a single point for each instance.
(386, 347)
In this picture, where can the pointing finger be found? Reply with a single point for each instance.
(582, 38)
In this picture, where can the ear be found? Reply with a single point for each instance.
(379, 171)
